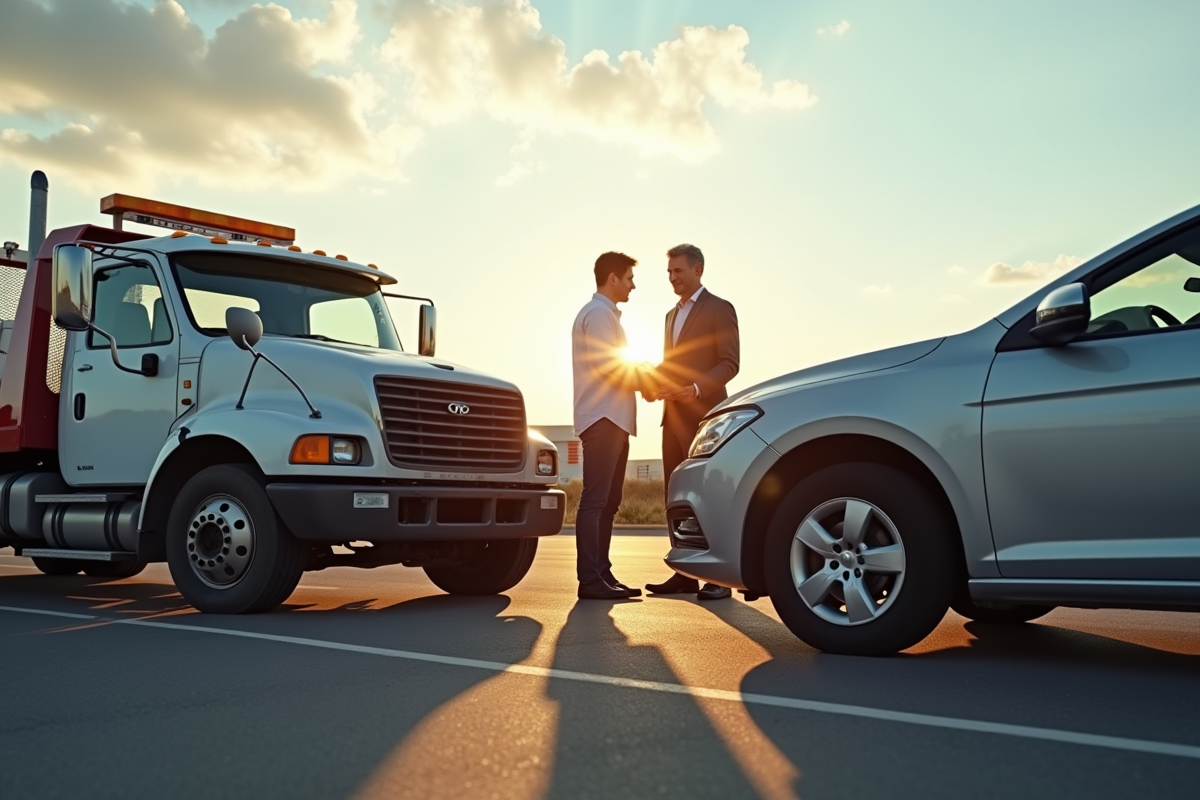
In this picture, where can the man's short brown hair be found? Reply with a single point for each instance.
(693, 254)
(612, 263)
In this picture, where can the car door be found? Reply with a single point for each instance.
(113, 423)
(1091, 450)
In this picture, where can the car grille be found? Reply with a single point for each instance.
(421, 431)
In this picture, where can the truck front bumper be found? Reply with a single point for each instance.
(335, 513)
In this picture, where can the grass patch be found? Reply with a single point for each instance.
(642, 502)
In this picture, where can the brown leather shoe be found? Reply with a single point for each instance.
(599, 590)
(676, 584)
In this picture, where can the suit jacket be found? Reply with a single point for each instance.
(707, 354)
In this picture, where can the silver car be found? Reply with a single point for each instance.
(1049, 457)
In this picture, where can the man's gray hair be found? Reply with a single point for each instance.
(693, 254)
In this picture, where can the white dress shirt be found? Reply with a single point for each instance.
(685, 308)
(597, 339)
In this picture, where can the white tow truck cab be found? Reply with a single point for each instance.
(220, 400)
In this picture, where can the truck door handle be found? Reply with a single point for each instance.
(85, 368)
(80, 406)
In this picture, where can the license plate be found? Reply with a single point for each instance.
(370, 500)
(550, 502)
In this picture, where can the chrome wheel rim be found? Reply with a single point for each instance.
(847, 561)
(220, 541)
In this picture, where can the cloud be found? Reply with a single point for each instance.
(494, 56)
(138, 93)
(877, 289)
(956, 270)
(835, 30)
(1000, 274)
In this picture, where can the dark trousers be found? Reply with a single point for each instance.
(605, 453)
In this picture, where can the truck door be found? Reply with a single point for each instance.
(113, 423)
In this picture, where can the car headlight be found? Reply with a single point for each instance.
(322, 449)
(716, 431)
(547, 462)
(345, 451)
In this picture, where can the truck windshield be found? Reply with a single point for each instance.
(302, 300)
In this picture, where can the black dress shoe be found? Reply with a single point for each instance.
(676, 584)
(599, 590)
(713, 592)
(629, 590)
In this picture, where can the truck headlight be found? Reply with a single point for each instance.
(716, 431)
(326, 450)
(547, 462)
(345, 451)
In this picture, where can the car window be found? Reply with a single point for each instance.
(129, 306)
(1157, 297)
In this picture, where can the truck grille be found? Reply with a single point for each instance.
(422, 432)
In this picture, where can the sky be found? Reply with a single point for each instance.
(859, 174)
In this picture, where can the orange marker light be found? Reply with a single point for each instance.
(318, 252)
(179, 234)
(187, 401)
(263, 243)
(310, 450)
(341, 257)
(219, 240)
(372, 266)
(293, 248)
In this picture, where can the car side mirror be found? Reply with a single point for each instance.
(427, 338)
(243, 326)
(1063, 314)
(71, 282)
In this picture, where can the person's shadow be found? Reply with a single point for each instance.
(625, 742)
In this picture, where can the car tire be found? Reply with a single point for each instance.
(1000, 614)
(500, 567)
(58, 566)
(228, 551)
(113, 569)
(861, 560)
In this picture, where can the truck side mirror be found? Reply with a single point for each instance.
(1063, 314)
(71, 282)
(427, 339)
(243, 326)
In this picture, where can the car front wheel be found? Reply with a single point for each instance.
(860, 560)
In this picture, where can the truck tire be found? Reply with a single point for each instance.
(1000, 614)
(228, 551)
(861, 560)
(113, 569)
(500, 567)
(58, 566)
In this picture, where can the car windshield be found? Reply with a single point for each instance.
(309, 301)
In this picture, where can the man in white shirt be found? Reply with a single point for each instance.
(605, 418)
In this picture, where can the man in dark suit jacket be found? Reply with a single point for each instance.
(701, 353)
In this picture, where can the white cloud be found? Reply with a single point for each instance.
(494, 56)
(835, 30)
(143, 93)
(1000, 274)
(878, 289)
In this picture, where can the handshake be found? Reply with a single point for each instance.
(653, 385)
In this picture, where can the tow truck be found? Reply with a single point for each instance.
(216, 398)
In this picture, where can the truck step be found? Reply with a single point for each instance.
(82, 555)
(74, 497)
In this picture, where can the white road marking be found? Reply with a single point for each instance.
(839, 709)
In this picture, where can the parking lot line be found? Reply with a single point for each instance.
(838, 709)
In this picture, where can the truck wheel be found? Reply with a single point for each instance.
(228, 551)
(113, 569)
(1004, 614)
(499, 567)
(860, 560)
(58, 566)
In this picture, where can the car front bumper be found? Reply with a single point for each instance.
(336, 513)
(716, 493)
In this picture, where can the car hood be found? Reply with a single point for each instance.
(843, 368)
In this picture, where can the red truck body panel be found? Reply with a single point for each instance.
(28, 408)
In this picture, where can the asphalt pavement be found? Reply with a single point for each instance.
(374, 684)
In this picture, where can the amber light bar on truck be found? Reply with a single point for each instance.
(124, 207)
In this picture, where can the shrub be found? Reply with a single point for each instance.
(642, 503)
